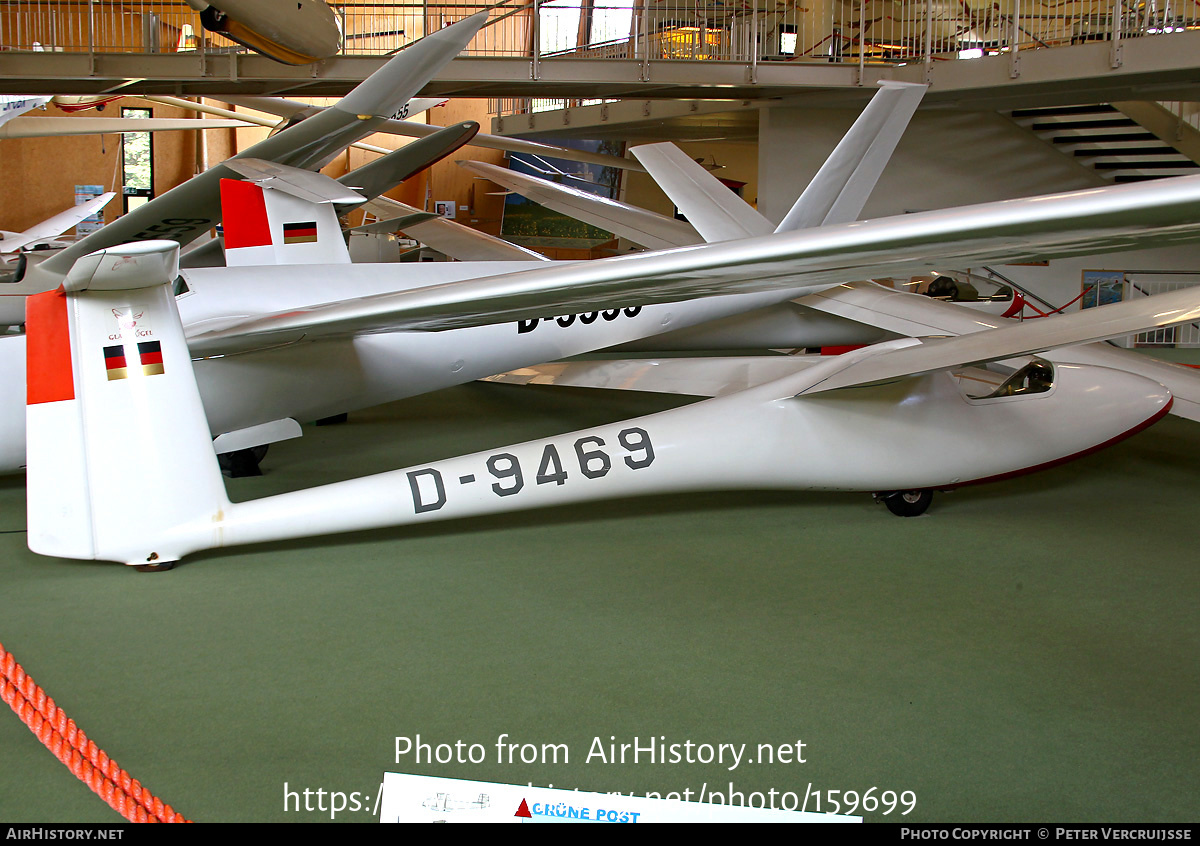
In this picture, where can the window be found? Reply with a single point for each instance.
(611, 20)
(137, 163)
(559, 26)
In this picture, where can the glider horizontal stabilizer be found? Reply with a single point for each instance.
(841, 187)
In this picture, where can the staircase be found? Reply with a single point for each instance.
(1103, 138)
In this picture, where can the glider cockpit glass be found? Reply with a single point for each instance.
(14, 271)
(1037, 377)
(294, 119)
(180, 287)
(962, 287)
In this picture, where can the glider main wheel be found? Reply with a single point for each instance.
(908, 503)
(242, 462)
(155, 568)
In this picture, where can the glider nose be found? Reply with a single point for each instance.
(1113, 404)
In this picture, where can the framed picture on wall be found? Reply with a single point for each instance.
(83, 193)
(1102, 287)
(445, 208)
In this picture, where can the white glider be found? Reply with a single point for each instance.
(117, 374)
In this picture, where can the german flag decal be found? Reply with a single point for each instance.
(114, 361)
(300, 233)
(150, 354)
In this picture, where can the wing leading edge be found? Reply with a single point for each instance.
(1054, 226)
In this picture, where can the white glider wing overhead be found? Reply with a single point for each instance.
(915, 315)
(285, 108)
(1019, 339)
(650, 229)
(54, 226)
(719, 376)
(1075, 223)
(711, 376)
(45, 127)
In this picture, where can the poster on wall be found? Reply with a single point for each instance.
(1102, 287)
(83, 193)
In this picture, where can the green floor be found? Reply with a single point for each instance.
(1026, 651)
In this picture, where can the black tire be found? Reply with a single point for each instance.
(155, 568)
(242, 462)
(908, 503)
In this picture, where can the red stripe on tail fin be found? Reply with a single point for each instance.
(244, 212)
(49, 376)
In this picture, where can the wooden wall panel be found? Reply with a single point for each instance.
(448, 181)
(40, 174)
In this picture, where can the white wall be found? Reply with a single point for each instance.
(1061, 281)
(946, 158)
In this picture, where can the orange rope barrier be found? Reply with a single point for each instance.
(76, 751)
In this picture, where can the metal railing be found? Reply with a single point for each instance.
(1185, 112)
(858, 31)
(1139, 284)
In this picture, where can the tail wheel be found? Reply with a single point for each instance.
(155, 568)
(907, 503)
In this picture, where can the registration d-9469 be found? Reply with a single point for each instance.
(588, 457)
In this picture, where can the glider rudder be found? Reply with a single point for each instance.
(119, 451)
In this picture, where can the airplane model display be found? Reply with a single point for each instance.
(255, 328)
(115, 379)
(294, 32)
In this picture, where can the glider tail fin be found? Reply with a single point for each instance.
(717, 213)
(841, 187)
(282, 215)
(119, 452)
